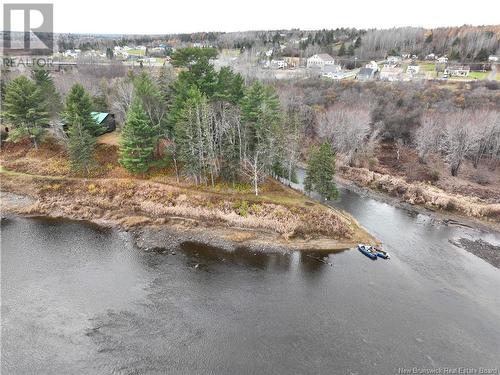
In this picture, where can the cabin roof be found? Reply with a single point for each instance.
(99, 116)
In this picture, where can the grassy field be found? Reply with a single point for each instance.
(483, 75)
(427, 66)
(136, 52)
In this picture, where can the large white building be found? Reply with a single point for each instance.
(320, 61)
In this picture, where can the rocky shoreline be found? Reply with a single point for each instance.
(482, 249)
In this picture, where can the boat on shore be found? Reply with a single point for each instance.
(381, 253)
(368, 251)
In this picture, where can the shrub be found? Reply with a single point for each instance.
(481, 179)
(241, 208)
(434, 175)
(372, 163)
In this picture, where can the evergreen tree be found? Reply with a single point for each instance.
(137, 140)
(109, 53)
(81, 146)
(153, 103)
(320, 171)
(45, 83)
(260, 116)
(82, 129)
(78, 110)
(193, 136)
(350, 50)
(482, 55)
(358, 42)
(342, 50)
(166, 78)
(454, 55)
(25, 109)
(229, 86)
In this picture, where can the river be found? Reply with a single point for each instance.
(78, 299)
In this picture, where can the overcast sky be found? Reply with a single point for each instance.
(178, 16)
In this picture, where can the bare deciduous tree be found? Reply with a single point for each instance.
(347, 128)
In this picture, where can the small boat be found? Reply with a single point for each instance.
(381, 253)
(368, 251)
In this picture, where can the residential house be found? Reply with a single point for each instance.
(391, 73)
(493, 58)
(293, 62)
(366, 74)
(278, 64)
(337, 75)
(442, 60)
(106, 120)
(456, 71)
(320, 61)
(413, 69)
(393, 60)
(73, 53)
(372, 65)
(430, 56)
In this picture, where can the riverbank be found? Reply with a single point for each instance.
(222, 216)
(421, 195)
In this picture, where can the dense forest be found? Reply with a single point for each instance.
(207, 125)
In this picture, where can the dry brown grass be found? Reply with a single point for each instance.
(111, 194)
(423, 194)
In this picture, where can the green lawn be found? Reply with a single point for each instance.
(427, 66)
(136, 52)
(482, 75)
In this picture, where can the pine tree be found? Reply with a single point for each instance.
(25, 109)
(81, 146)
(482, 55)
(137, 140)
(350, 50)
(260, 116)
(78, 110)
(320, 171)
(82, 129)
(342, 50)
(45, 83)
(358, 42)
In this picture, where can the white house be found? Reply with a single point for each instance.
(279, 64)
(442, 60)
(493, 58)
(320, 61)
(413, 69)
(457, 71)
(372, 65)
(391, 73)
(393, 60)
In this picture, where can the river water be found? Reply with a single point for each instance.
(77, 299)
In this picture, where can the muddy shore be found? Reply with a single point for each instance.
(173, 232)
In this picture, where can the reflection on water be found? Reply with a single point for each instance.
(79, 299)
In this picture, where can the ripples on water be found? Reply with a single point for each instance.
(79, 299)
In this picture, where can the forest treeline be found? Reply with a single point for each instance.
(210, 125)
(463, 43)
